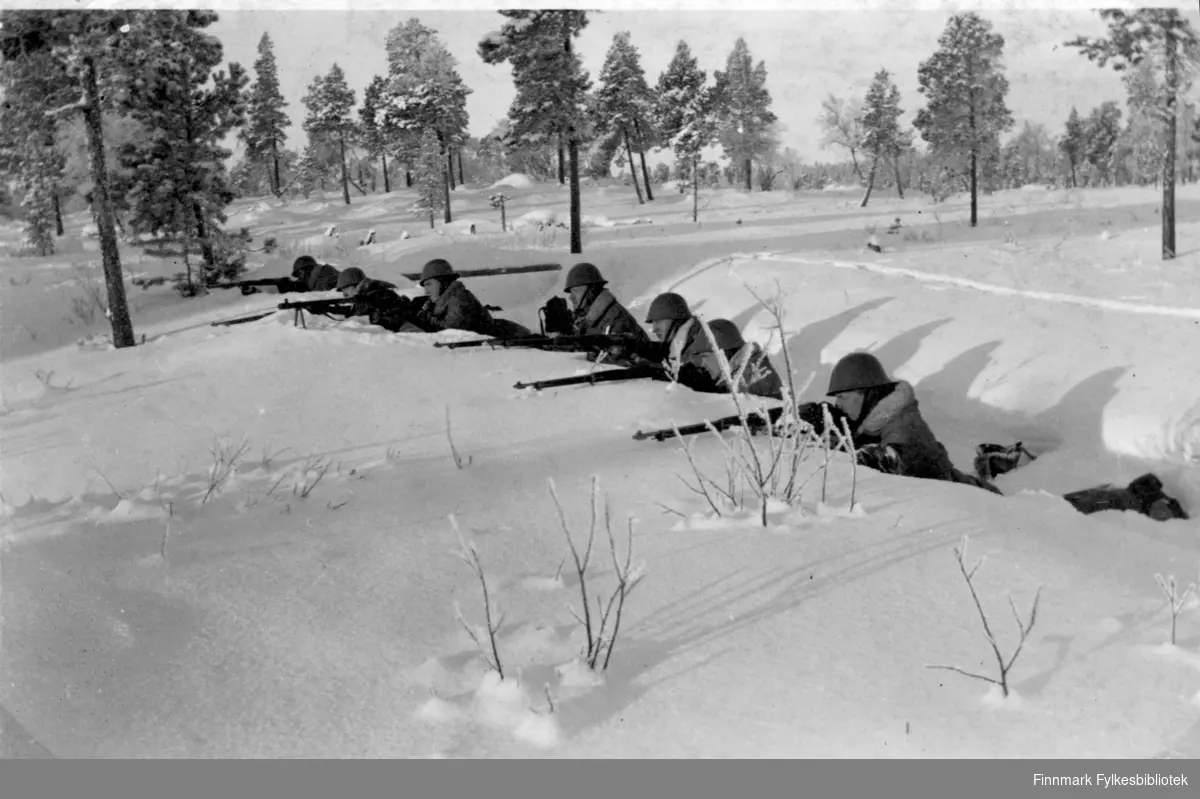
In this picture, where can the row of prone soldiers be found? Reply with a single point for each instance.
(887, 429)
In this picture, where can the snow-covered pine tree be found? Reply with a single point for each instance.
(624, 104)
(179, 184)
(841, 121)
(1102, 131)
(746, 124)
(266, 129)
(686, 115)
(551, 85)
(428, 177)
(89, 47)
(329, 104)
(425, 92)
(880, 134)
(28, 138)
(1163, 38)
(1073, 143)
(964, 86)
(371, 128)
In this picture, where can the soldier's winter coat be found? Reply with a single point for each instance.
(605, 316)
(749, 366)
(321, 277)
(895, 423)
(458, 309)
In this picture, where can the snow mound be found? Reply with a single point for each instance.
(516, 181)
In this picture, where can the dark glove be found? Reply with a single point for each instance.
(248, 290)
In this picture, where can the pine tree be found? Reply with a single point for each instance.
(430, 183)
(372, 131)
(551, 101)
(330, 102)
(743, 106)
(178, 182)
(1073, 143)
(624, 103)
(1102, 131)
(964, 85)
(87, 47)
(841, 120)
(425, 92)
(880, 134)
(28, 143)
(266, 129)
(1167, 41)
(686, 115)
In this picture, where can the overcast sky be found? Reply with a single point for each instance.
(808, 53)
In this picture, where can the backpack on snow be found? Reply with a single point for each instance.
(993, 460)
(556, 317)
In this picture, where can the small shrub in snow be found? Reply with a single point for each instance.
(310, 475)
(600, 637)
(1004, 666)
(225, 457)
(1177, 601)
(458, 461)
(469, 555)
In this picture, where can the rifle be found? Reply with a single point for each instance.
(342, 306)
(499, 270)
(809, 412)
(559, 342)
(607, 376)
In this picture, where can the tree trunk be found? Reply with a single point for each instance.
(206, 248)
(431, 217)
(345, 172)
(870, 182)
(576, 211)
(637, 129)
(387, 185)
(118, 310)
(974, 188)
(632, 166)
(446, 193)
(695, 188)
(854, 160)
(278, 186)
(749, 175)
(58, 223)
(450, 166)
(562, 177)
(899, 183)
(461, 182)
(407, 179)
(1168, 167)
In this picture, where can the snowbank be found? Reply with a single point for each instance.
(516, 181)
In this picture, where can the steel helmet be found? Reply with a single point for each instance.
(667, 306)
(725, 333)
(583, 274)
(438, 267)
(305, 263)
(350, 277)
(856, 372)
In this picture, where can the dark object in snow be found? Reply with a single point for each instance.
(606, 376)
(874, 247)
(282, 285)
(500, 270)
(1144, 495)
(993, 460)
(895, 227)
(555, 317)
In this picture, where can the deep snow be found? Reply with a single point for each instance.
(264, 623)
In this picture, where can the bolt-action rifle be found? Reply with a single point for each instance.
(569, 343)
(605, 376)
(809, 412)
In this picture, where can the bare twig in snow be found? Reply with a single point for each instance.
(458, 461)
(1004, 666)
(1169, 587)
(469, 555)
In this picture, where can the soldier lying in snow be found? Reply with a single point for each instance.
(377, 300)
(595, 311)
(891, 436)
(449, 304)
(313, 276)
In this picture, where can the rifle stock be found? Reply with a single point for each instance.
(241, 320)
(606, 376)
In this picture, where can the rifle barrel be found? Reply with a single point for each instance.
(500, 270)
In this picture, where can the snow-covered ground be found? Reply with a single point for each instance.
(307, 605)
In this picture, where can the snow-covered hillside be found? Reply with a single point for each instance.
(307, 604)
